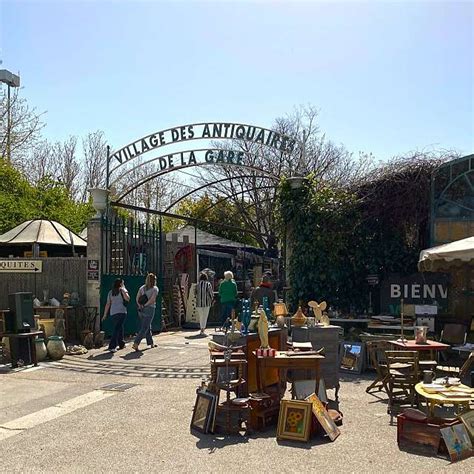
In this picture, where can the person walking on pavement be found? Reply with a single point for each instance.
(116, 306)
(228, 296)
(146, 302)
(204, 297)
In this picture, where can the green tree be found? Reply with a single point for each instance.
(16, 196)
(217, 211)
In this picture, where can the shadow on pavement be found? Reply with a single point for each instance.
(215, 442)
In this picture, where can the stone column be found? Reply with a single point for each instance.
(94, 248)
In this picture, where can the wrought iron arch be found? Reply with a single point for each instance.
(212, 183)
(140, 182)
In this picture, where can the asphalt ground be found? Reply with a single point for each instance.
(57, 419)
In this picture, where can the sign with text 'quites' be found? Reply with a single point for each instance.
(21, 266)
(419, 288)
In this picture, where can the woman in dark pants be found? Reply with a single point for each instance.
(117, 299)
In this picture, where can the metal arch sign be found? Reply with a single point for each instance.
(204, 131)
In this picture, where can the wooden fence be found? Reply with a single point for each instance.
(59, 275)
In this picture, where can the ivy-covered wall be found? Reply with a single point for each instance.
(334, 244)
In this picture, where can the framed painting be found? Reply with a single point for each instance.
(294, 420)
(304, 388)
(457, 441)
(468, 420)
(323, 417)
(351, 357)
(204, 411)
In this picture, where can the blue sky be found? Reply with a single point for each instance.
(387, 77)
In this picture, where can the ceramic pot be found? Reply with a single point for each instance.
(41, 351)
(299, 319)
(56, 347)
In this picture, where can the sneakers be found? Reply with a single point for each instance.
(153, 345)
(135, 347)
(112, 350)
(122, 347)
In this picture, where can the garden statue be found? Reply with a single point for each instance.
(263, 329)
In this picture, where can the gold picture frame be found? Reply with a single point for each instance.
(323, 417)
(468, 421)
(294, 420)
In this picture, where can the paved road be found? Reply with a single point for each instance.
(58, 419)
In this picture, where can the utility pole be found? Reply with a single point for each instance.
(11, 80)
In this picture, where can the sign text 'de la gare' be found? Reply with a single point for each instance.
(212, 130)
(193, 157)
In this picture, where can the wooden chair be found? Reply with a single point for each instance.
(453, 334)
(403, 374)
(376, 350)
(461, 372)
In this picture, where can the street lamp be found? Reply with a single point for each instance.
(11, 80)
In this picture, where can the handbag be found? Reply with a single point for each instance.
(142, 299)
(124, 301)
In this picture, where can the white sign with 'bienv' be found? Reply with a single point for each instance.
(418, 291)
(21, 266)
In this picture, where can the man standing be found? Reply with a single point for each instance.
(228, 296)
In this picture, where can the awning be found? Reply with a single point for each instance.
(41, 231)
(445, 256)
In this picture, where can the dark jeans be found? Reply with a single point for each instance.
(146, 317)
(226, 311)
(117, 332)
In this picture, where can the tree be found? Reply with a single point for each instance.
(16, 196)
(95, 162)
(25, 126)
(216, 211)
(254, 194)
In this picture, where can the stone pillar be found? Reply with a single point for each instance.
(94, 250)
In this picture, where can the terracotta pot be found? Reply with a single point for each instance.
(41, 351)
(56, 347)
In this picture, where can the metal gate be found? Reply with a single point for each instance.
(130, 250)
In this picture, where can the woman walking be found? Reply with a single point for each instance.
(117, 299)
(146, 301)
(228, 297)
(204, 297)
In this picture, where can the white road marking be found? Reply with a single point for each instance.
(19, 425)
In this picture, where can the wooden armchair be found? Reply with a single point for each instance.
(403, 374)
(376, 350)
(461, 372)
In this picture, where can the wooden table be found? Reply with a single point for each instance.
(283, 361)
(411, 345)
(433, 399)
(29, 336)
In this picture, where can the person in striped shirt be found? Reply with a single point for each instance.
(204, 297)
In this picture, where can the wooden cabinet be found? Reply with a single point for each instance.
(327, 337)
(277, 340)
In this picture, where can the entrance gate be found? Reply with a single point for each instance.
(130, 250)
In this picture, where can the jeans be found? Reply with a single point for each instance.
(146, 317)
(118, 321)
(226, 311)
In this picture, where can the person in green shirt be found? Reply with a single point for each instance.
(228, 296)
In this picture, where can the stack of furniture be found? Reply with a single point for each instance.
(227, 375)
(327, 337)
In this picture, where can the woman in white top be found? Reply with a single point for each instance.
(204, 297)
(146, 301)
(117, 300)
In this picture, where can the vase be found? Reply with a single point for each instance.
(299, 318)
(41, 351)
(56, 347)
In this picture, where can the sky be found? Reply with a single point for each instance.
(387, 77)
